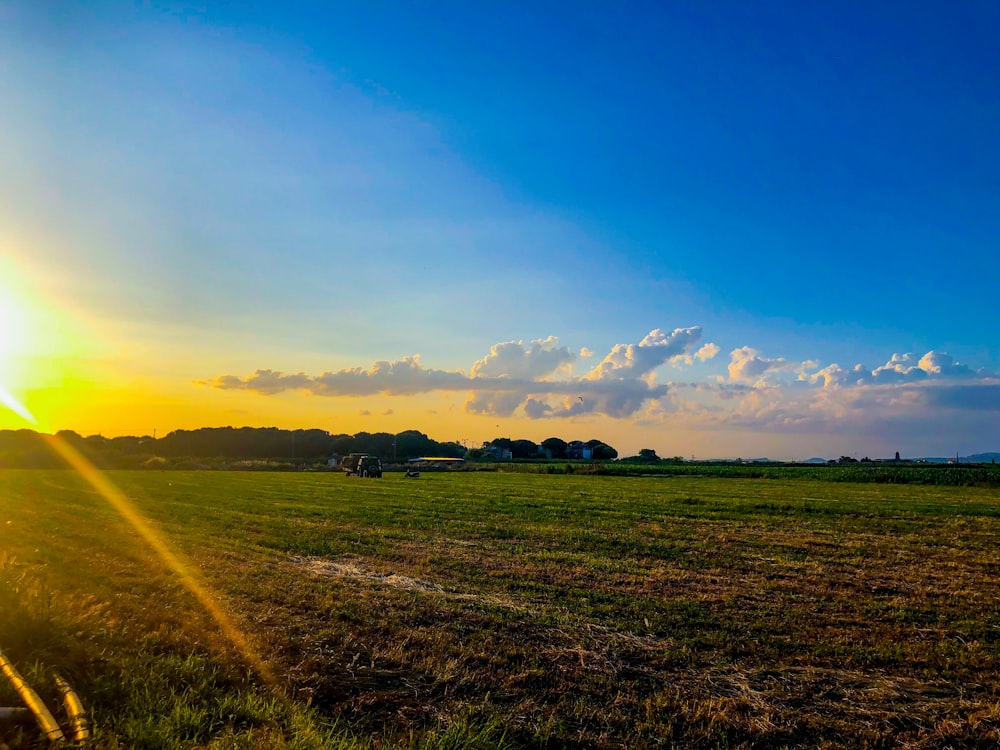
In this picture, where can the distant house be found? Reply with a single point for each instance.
(497, 452)
(578, 450)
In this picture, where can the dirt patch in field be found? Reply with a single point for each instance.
(352, 569)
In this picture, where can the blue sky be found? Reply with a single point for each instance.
(211, 191)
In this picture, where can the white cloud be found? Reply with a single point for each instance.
(900, 368)
(405, 376)
(511, 359)
(628, 361)
(402, 377)
(834, 376)
(707, 352)
(944, 365)
(267, 382)
(746, 365)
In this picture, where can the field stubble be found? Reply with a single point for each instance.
(468, 610)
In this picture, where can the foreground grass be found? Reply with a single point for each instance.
(492, 610)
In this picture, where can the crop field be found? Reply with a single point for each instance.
(505, 610)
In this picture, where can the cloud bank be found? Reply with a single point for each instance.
(534, 380)
(751, 391)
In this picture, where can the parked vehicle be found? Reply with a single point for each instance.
(362, 465)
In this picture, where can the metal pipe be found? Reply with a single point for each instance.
(45, 719)
(74, 709)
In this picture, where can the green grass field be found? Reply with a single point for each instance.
(484, 610)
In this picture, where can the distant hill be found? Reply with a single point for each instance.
(975, 458)
(982, 458)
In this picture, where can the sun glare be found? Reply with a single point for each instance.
(12, 325)
(14, 335)
(15, 344)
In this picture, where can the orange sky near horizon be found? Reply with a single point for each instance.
(91, 408)
(114, 378)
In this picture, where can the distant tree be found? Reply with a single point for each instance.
(413, 444)
(602, 452)
(649, 454)
(451, 450)
(503, 443)
(410, 444)
(555, 446)
(27, 449)
(75, 438)
(128, 445)
(523, 449)
(341, 445)
(897, 456)
(364, 442)
(847, 460)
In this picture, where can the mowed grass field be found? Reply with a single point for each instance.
(509, 610)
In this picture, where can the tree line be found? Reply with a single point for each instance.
(27, 448)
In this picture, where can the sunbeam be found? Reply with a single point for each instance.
(191, 581)
(8, 400)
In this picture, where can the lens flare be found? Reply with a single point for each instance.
(190, 580)
(8, 400)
